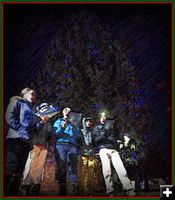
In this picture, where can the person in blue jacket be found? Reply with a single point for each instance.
(67, 136)
(21, 121)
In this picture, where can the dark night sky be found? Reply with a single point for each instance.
(30, 29)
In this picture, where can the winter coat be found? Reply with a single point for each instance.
(20, 118)
(70, 134)
(86, 140)
(104, 138)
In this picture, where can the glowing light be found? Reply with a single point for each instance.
(121, 146)
(132, 146)
(103, 114)
(127, 139)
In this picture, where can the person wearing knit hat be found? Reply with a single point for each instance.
(34, 167)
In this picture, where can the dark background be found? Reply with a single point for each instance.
(29, 30)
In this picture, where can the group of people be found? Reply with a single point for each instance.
(75, 147)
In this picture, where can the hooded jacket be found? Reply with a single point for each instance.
(86, 138)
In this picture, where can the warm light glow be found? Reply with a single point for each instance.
(127, 139)
(103, 114)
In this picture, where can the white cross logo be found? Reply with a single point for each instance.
(167, 192)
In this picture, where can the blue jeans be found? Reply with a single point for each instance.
(67, 159)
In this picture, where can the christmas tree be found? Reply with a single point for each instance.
(88, 70)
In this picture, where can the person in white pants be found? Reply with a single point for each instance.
(105, 140)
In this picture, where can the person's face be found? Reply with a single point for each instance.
(102, 119)
(66, 113)
(88, 123)
(30, 96)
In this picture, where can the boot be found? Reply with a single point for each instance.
(63, 190)
(34, 189)
(73, 191)
(24, 190)
(11, 185)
